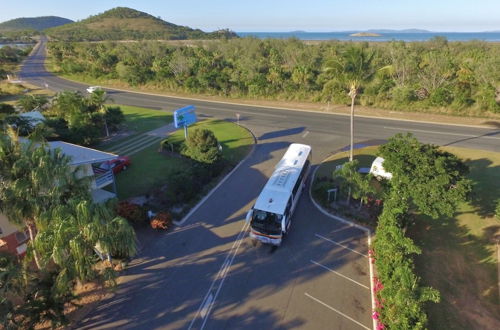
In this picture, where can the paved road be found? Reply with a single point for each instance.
(206, 274)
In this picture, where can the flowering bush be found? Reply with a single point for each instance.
(132, 212)
(162, 220)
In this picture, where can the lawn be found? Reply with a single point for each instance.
(459, 253)
(138, 121)
(151, 169)
(235, 140)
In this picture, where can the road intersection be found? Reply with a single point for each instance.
(206, 273)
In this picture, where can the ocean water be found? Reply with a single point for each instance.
(405, 36)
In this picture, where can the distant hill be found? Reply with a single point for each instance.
(123, 23)
(34, 23)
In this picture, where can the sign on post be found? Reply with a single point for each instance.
(184, 117)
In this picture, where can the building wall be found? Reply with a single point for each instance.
(12, 238)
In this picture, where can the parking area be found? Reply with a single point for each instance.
(318, 279)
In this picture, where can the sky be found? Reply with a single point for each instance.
(284, 15)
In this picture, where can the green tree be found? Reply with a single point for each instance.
(202, 146)
(431, 180)
(34, 179)
(32, 102)
(70, 233)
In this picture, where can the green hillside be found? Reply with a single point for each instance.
(128, 24)
(34, 23)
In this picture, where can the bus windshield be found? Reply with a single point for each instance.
(266, 222)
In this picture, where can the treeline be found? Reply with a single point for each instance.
(463, 77)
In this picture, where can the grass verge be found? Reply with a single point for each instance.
(151, 169)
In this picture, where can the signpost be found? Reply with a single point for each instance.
(184, 117)
(238, 118)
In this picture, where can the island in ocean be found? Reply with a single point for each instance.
(365, 34)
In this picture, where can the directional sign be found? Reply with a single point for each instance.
(184, 117)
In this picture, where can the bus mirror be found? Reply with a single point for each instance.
(249, 215)
(283, 224)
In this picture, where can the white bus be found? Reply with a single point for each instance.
(271, 215)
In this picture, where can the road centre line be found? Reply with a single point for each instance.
(345, 247)
(335, 310)
(247, 112)
(443, 133)
(337, 273)
(209, 299)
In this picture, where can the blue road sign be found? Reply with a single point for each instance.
(184, 117)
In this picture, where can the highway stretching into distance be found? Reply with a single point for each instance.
(205, 274)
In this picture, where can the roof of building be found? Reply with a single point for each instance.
(81, 155)
(274, 196)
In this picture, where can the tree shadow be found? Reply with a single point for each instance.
(462, 268)
(488, 134)
(282, 133)
(486, 190)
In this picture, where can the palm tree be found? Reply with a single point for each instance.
(97, 100)
(353, 68)
(71, 233)
(33, 180)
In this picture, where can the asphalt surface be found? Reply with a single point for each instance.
(206, 273)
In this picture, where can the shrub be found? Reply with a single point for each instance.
(183, 186)
(441, 97)
(403, 95)
(202, 146)
(162, 220)
(497, 210)
(132, 212)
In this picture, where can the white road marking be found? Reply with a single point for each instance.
(366, 230)
(209, 300)
(345, 247)
(337, 273)
(341, 229)
(443, 133)
(335, 310)
(305, 134)
(204, 310)
(240, 112)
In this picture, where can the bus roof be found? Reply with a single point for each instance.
(274, 196)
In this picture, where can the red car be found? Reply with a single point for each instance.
(117, 165)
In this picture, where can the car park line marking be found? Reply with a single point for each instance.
(209, 299)
(337, 273)
(341, 229)
(443, 133)
(305, 134)
(335, 310)
(345, 247)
